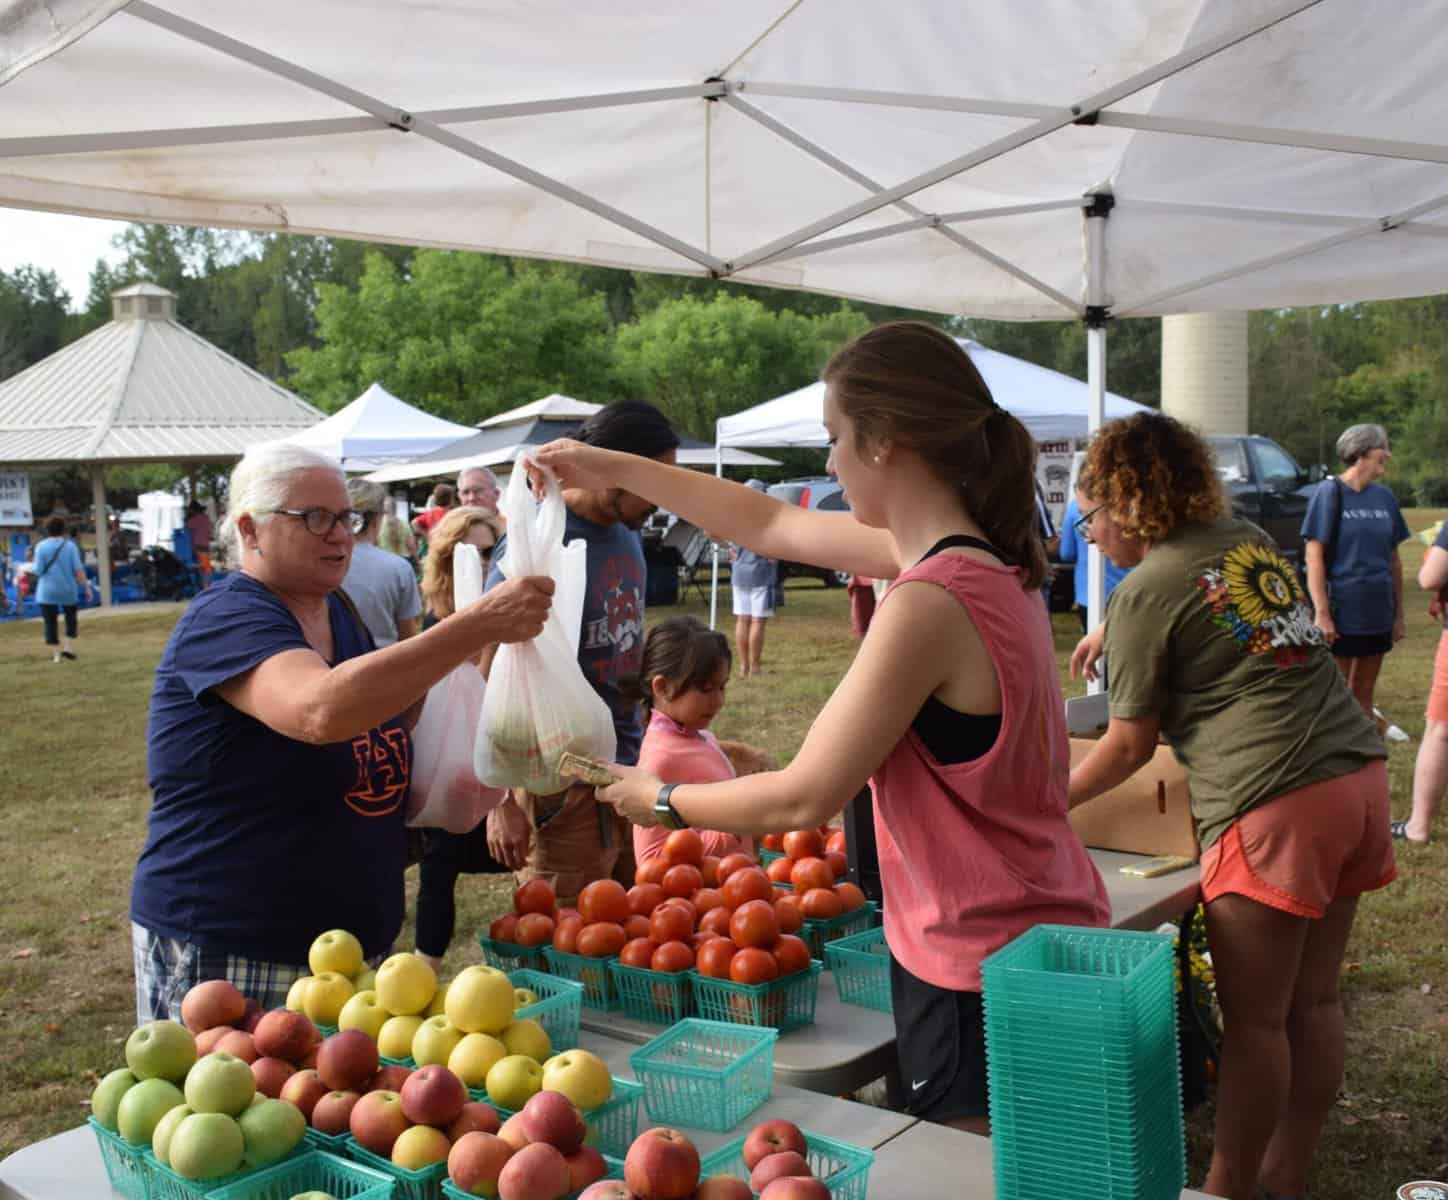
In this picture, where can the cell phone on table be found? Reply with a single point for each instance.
(1163, 864)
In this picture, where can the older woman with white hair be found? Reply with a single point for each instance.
(1354, 574)
(278, 748)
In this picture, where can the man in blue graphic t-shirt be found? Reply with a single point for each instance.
(570, 839)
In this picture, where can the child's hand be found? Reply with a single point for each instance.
(633, 796)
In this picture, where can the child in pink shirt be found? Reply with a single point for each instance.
(682, 680)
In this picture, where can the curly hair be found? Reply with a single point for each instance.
(437, 570)
(1152, 474)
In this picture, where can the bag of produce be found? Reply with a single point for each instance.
(446, 791)
(538, 703)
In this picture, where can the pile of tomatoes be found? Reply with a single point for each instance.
(813, 861)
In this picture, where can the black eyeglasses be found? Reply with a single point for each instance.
(320, 521)
(1083, 524)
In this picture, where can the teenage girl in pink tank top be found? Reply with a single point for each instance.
(952, 709)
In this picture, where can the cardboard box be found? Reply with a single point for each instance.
(1151, 813)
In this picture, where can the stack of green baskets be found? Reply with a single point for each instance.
(860, 964)
(1085, 1075)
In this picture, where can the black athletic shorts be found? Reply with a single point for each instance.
(940, 1036)
(1362, 645)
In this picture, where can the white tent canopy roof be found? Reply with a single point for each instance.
(935, 155)
(554, 407)
(378, 428)
(1051, 405)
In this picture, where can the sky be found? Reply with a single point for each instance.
(67, 245)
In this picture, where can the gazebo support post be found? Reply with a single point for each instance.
(103, 532)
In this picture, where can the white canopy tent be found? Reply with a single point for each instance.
(1049, 159)
(378, 428)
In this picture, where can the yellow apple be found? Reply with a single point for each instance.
(513, 1080)
(405, 984)
(364, 981)
(420, 1146)
(336, 950)
(439, 998)
(474, 1056)
(325, 996)
(579, 1075)
(297, 993)
(394, 1039)
(526, 1036)
(365, 1012)
(435, 1040)
(480, 1000)
(522, 997)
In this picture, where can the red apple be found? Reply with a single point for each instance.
(304, 1089)
(585, 1166)
(377, 1121)
(476, 1160)
(477, 1117)
(347, 1060)
(208, 1039)
(308, 1061)
(333, 1112)
(553, 1118)
(793, 1187)
(433, 1095)
(251, 1017)
(536, 1172)
(215, 1002)
(613, 1189)
(239, 1043)
(776, 1166)
(723, 1187)
(512, 1131)
(282, 1033)
(662, 1164)
(772, 1137)
(271, 1074)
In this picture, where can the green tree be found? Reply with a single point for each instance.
(33, 317)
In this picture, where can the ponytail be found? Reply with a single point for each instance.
(1002, 498)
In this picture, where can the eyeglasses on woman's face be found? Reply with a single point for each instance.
(1083, 524)
(321, 521)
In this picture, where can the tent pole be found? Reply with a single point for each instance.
(1097, 212)
(103, 532)
(713, 545)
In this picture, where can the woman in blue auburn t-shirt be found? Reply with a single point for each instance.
(59, 583)
(278, 748)
(1352, 531)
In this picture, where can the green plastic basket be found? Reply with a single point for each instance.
(818, 932)
(125, 1164)
(768, 856)
(314, 1171)
(660, 997)
(167, 1185)
(615, 1171)
(410, 1063)
(559, 1007)
(706, 1074)
(332, 1143)
(842, 1168)
(861, 966)
(785, 1003)
(508, 956)
(423, 1184)
(591, 972)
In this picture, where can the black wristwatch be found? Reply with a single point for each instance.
(664, 808)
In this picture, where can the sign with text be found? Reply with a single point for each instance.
(1053, 472)
(15, 499)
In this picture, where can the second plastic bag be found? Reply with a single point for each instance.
(538, 702)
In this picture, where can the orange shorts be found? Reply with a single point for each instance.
(1300, 851)
(1438, 697)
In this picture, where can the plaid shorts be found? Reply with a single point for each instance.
(167, 968)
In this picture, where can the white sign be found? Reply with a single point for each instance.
(1053, 471)
(15, 499)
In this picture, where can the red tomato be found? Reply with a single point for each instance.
(734, 862)
(638, 952)
(712, 958)
(804, 843)
(835, 842)
(684, 846)
(839, 864)
(603, 900)
(752, 965)
(788, 912)
(670, 923)
(643, 898)
(636, 926)
(754, 924)
(749, 883)
(565, 934)
(651, 871)
(700, 936)
(791, 954)
(716, 920)
(778, 871)
(673, 956)
(706, 898)
(820, 902)
(811, 873)
(772, 841)
(504, 929)
(709, 869)
(600, 939)
(687, 905)
(535, 896)
(566, 912)
(850, 896)
(682, 880)
(533, 929)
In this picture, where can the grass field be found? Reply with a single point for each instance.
(73, 757)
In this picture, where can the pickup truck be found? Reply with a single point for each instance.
(1267, 487)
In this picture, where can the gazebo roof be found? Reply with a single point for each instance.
(142, 388)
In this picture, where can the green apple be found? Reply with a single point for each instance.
(522, 997)
(437, 1006)
(474, 1056)
(364, 981)
(107, 1096)
(405, 984)
(297, 993)
(579, 1075)
(271, 1130)
(207, 1144)
(526, 1036)
(435, 1040)
(365, 1012)
(336, 950)
(513, 1080)
(165, 1130)
(161, 1050)
(480, 1000)
(143, 1106)
(220, 1083)
(394, 1039)
(325, 995)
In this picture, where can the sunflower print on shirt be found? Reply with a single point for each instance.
(1254, 594)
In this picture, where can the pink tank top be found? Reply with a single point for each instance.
(975, 853)
(679, 755)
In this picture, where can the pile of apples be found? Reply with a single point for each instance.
(663, 1164)
(813, 864)
(537, 1154)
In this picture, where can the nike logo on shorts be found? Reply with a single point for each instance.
(917, 1084)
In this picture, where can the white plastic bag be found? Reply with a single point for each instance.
(446, 792)
(538, 703)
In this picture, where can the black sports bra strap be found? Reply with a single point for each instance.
(962, 539)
